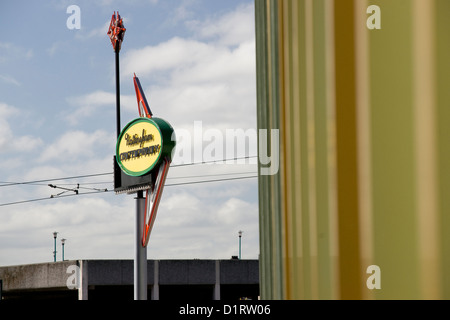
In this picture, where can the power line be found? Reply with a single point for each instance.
(49, 198)
(214, 161)
(211, 175)
(206, 181)
(9, 184)
(40, 182)
(96, 191)
(109, 191)
(168, 179)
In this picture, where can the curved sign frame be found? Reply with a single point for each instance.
(143, 144)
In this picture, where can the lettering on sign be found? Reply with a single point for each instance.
(139, 147)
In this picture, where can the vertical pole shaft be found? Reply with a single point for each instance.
(63, 252)
(83, 280)
(140, 262)
(54, 252)
(240, 247)
(117, 94)
(216, 295)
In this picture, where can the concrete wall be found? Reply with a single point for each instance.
(115, 278)
(187, 272)
(43, 276)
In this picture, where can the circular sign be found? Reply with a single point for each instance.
(143, 144)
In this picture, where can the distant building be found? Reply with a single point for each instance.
(188, 280)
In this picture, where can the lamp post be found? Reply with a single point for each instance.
(240, 236)
(62, 243)
(54, 252)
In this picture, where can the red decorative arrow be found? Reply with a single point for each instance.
(152, 199)
(144, 109)
(153, 195)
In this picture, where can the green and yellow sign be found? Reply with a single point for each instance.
(143, 144)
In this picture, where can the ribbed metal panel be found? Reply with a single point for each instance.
(364, 148)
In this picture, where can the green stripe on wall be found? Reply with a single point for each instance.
(391, 113)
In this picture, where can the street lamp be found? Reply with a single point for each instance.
(62, 243)
(54, 252)
(240, 236)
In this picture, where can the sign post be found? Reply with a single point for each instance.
(143, 155)
(116, 33)
(140, 259)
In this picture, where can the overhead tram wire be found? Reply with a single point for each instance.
(206, 181)
(41, 182)
(79, 185)
(49, 198)
(97, 191)
(168, 179)
(109, 191)
(213, 161)
(36, 182)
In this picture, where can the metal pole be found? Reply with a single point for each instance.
(240, 247)
(54, 252)
(140, 262)
(63, 241)
(240, 236)
(117, 93)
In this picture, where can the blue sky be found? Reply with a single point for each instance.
(196, 63)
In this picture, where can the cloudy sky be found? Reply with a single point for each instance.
(196, 63)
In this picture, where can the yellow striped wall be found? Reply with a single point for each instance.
(364, 175)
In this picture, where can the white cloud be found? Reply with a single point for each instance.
(7, 110)
(189, 225)
(56, 46)
(115, 3)
(230, 29)
(9, 80)
(174, 53)
(9, 139)
(76, 145)
(96, 102)
(97, 32)
(105, 234)
(185, 10)
(10, 52)
(211, 78)
(40, 172)
(190, 61)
